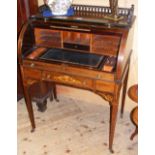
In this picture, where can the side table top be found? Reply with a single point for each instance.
(134, 116)
(133, 93)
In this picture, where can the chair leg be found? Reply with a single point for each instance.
(134, 134)
(53, 94)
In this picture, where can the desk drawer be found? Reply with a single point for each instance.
(32, 73)
(104, 86)
(67, 79)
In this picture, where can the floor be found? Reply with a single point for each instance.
(76, 125)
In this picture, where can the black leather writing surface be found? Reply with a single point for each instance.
(72, 57)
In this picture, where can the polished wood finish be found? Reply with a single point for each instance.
(105, 44)
(19, 84)
(39, 91)
(124, 92)
(134, 118)
(133, 93)
(22, 17)
(24, 10)
(33, 7)
(88, 35)
(44, 90)
(21, 14)
(36, 53)
(47, 38)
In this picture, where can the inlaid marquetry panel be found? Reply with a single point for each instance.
(67, 79)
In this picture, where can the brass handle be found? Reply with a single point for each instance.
(98, 76)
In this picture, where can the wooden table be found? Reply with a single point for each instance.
(134, 118)
(133, 94)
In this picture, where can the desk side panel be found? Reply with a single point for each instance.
(124, 53)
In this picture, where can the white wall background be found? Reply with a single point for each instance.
(122, 3)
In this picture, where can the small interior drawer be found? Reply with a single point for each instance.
(76, 46)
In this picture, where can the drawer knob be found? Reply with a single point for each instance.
(98, 76)
(48, 76)
(32, 65)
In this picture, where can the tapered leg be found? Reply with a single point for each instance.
(113, 117)
(29, 106)
(55, 92)
(124, 93)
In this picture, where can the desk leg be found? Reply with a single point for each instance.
(55, 92)
(29, 106)
(113, 116)
(124, 93)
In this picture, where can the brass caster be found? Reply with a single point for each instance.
(32, 130)
(111, 151)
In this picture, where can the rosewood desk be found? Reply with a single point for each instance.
(86, 51)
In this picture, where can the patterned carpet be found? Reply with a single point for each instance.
(73, 127)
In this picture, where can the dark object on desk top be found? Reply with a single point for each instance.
(71, 57)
